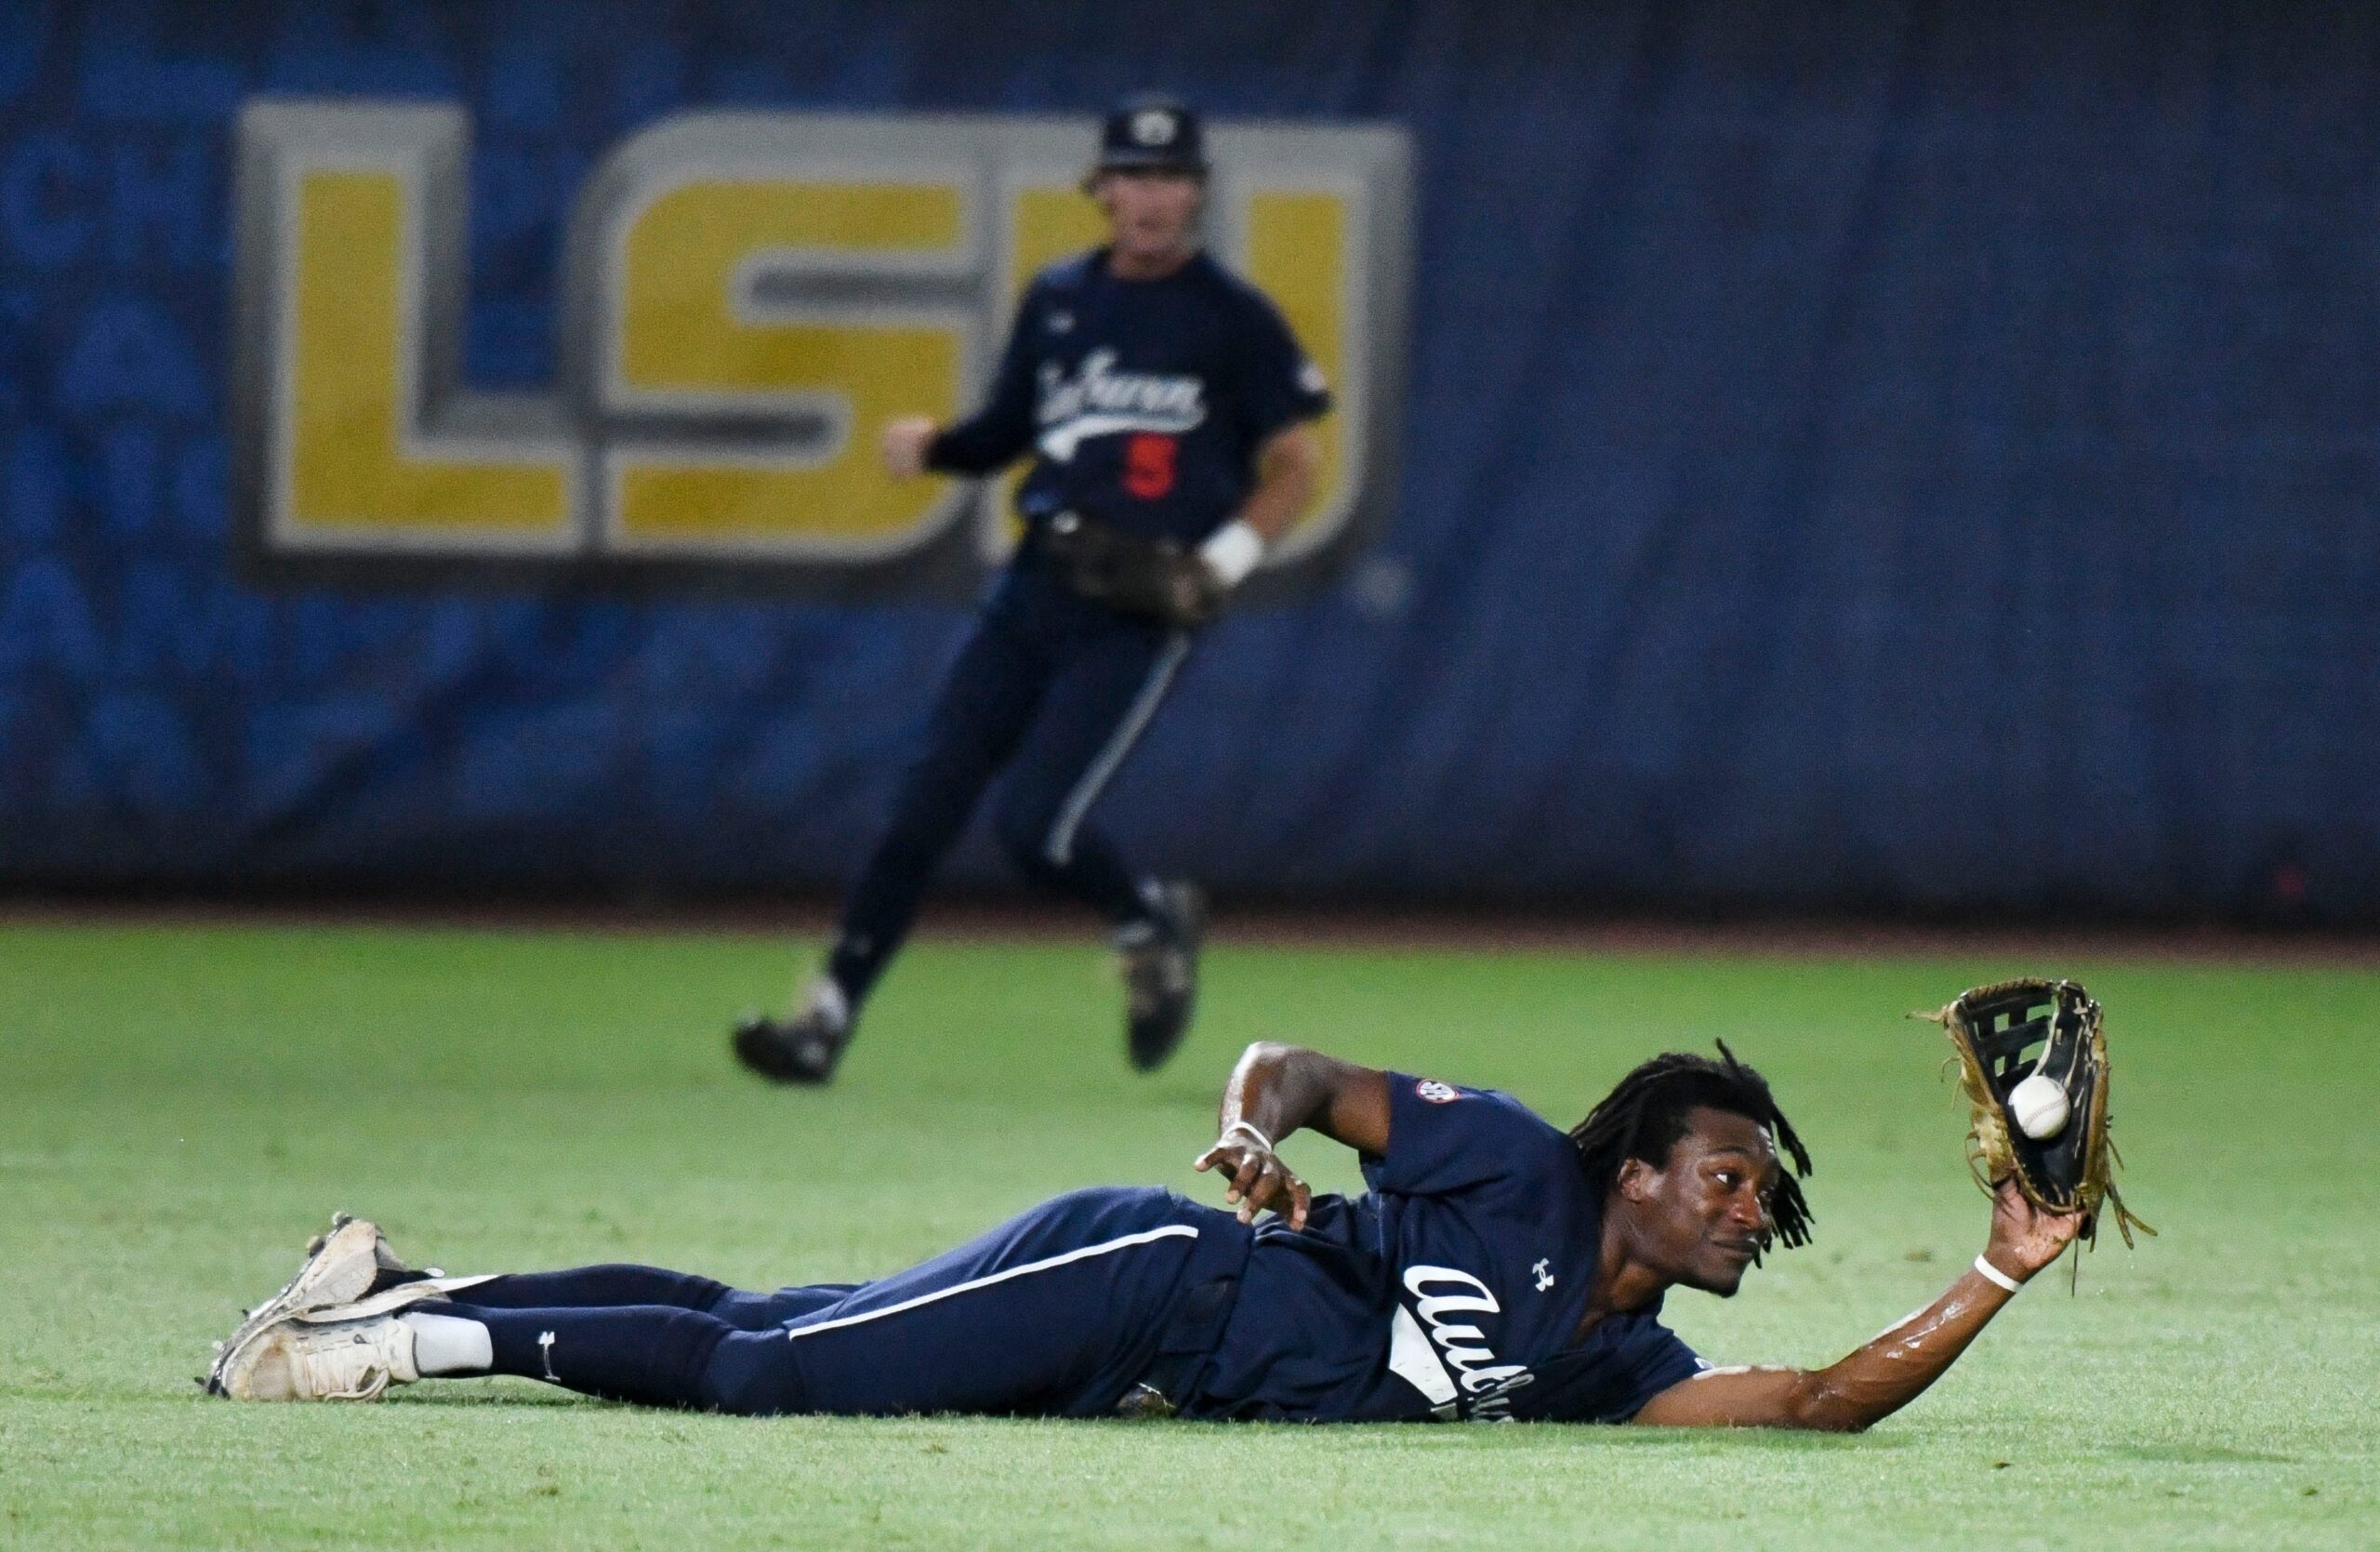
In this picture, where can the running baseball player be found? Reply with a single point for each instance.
(1498, 1268)
(1166, 408)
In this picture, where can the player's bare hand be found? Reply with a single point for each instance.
(2024, 1237)
(905, 441)
(1257, 1179)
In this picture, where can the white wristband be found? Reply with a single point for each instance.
(1232, 551)
(1253, 1131)
(1994, 1274)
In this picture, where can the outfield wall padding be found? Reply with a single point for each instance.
(1906, 456)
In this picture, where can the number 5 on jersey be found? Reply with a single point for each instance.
(1148, 464)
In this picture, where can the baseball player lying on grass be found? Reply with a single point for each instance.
(1498, 1268)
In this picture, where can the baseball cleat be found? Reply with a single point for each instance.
(1161, 975)
(297, 1358)
(803, 1050)
(345, 1352)
(350, 1262)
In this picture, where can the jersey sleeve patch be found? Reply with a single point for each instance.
(1437, 1146)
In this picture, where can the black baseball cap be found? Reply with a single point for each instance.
(1152, 131)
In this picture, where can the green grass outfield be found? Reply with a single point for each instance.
(180, 1105)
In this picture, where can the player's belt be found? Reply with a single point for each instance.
(1188, 1342)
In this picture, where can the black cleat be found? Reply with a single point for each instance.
(1162, 975)
(803, 1050)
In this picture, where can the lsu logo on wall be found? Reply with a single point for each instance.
(744, 300)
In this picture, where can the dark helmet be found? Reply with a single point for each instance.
(1159, 132)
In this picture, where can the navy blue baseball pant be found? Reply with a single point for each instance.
(1053, 689)
(1058, 1312)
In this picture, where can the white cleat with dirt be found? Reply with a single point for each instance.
(347, 1264)
(298, 1359)
(349, 1352)
(341, 1267)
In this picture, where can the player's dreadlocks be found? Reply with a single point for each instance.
(1644, 1114)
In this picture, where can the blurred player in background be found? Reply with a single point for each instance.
(1166, 405)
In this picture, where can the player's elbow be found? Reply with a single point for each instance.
(1815, 1406)
(1289, 465)
(1296, 446)
(1831, 1423)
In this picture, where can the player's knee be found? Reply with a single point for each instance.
(752, 1373)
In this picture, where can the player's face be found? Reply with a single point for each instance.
(1151, 214)
(1709, 1205)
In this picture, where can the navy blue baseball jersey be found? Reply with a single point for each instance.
(1451, 1291)
(1145, 402)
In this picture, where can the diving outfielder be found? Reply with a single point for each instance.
(1498, 1268)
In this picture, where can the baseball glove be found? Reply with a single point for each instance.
(2072, 1168)
(1154, 577)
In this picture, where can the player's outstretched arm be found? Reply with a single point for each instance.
(992, 437)
(1890, 1372)
(1274, 1090)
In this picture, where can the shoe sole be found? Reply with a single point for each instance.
(420, 1291)
(767, 1052)
(337, 1270)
